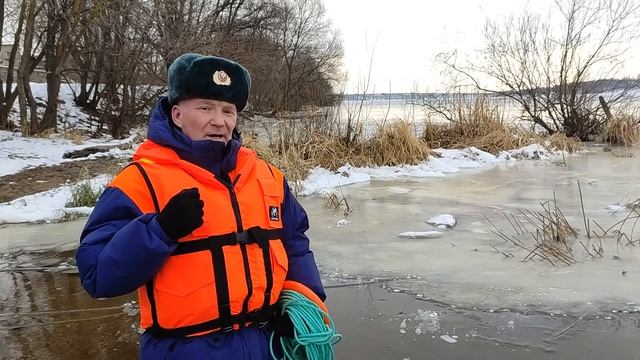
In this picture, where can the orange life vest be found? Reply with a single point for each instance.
(227, 273)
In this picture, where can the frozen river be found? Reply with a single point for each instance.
(461, 267)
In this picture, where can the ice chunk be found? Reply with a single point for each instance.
(448, 339)
(615, 208)
(343, 222)
(428, 320)
(420, 235)
(445, 220)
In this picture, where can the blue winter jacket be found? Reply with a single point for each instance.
(121, 248)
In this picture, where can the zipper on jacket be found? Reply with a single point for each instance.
(243, 247)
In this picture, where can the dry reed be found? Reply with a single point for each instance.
(296, 150)
(478, 123)
(550, 231)
(560, 142)
(622, 130)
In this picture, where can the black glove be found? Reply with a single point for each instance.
(182, 214)
(282, 324)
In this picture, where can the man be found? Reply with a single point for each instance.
(204, 230)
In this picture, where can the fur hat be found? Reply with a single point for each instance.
(209, 77)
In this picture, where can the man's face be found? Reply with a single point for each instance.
(205, 119)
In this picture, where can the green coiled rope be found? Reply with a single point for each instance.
(312, 338)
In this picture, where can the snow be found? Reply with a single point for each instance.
(445, 221)
(616, 208)
(420, 235)
(69, 114)
(449, 339)
(46, 206)
(322, 181)
(19, 153)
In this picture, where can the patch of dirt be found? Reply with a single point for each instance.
(43, 178)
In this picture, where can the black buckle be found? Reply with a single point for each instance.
(243, 237)
(266, 315)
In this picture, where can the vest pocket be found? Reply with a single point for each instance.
(185, 291)
(273, 193)
(280, 265)
(185, 274)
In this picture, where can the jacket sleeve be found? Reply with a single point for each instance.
(120, 248)
(302, 265)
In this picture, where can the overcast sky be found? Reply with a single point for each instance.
(402, 37)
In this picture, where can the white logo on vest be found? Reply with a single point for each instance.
(274, 213)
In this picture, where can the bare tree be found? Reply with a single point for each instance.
(556, 73)
(25, 96)
(311, 50)
(117, 52)
(9, 94)
(63, 20)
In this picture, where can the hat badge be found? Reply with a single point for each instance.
(221, 78)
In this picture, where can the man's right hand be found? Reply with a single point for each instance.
(182, 214)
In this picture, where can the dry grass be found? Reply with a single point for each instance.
(395, 144)
(290, 159)
(76, 137)
(623, 130)
(560, 142)
(477, 123)
(295, 151)
(46, 134)
(544, 234)
(333, 202)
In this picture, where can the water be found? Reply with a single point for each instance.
(375, 110)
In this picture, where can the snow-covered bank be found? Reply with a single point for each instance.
(19, 153)
(322, 181)
(50, 205)
(47, 206)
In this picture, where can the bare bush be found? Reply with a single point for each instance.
(556, 73)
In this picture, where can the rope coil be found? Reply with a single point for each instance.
(314, 330)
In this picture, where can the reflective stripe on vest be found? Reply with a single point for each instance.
(227, 273)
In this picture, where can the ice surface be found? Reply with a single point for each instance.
(462, 268)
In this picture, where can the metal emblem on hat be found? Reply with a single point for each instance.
(221, 78)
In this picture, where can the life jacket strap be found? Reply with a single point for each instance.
(257, 317)
(254, 235)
